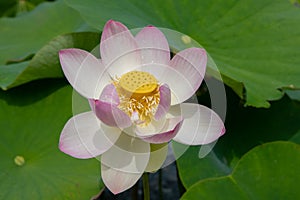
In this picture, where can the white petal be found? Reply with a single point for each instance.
(164, 102)
(118, 181)
(157, 156)
(84, 72)
(118, 49)
(157, 132)
(154, 46)
(85, 137)
(129, 155)
(151, 129)
(180, 86)
(201, 125)
(191, 64)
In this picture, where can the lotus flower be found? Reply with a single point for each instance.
(136, 94)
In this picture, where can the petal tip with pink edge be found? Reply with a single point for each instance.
(160, 133)
(163, 137)
(201, 125)
(117, 181)
(111, 28)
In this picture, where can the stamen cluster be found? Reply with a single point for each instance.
(139, 96)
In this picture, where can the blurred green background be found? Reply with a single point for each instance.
(254, 44)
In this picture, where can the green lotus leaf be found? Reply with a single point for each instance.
(253, 42)
(45, 63)
(269, 171)
(32, 167)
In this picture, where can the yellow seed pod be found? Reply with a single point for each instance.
(138, 82)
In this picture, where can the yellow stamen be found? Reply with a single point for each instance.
(139, 95)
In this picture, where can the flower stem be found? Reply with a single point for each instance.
(160, 184)
(146, 186)
(134, 194)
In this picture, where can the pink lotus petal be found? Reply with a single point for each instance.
(85, 137)
(112, 28)
(118, 181)
(164, 102)
(191, 63)
(110, 114)
(154, 46)
(158, 156)
(92, 105)
(129, 154)
(160, 134)
(118, 49)
(201, 125)
(84, 72)
(110, 95)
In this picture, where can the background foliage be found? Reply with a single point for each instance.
(254, 44)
